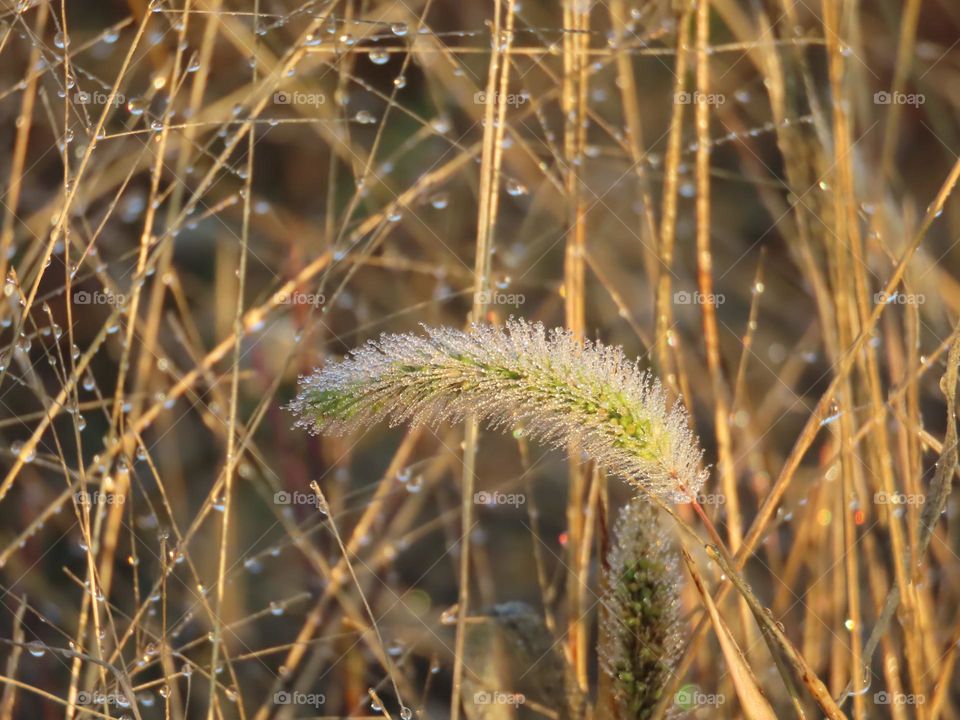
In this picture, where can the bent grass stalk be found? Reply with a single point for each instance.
(553, 387)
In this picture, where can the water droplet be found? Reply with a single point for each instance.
(832, 417)
(17, 449)
(379, 56)
(399, 29)
(516, 189)
(37, 648)
(440, 201)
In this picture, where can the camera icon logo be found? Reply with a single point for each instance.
(81, 297)
(482, 698)
(281, 497)
(682, 297)
(282, 697)
(882, 97)
(282, 98)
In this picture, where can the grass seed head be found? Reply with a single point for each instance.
(641, 638)
(556, 388)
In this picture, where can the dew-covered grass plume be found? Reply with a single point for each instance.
(522, 376)
(640, 626)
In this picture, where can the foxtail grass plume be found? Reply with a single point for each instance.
(640, 628)
(555, 388)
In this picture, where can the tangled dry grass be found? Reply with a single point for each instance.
(201, 200)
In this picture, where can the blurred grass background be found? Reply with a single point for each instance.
(202, 199)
